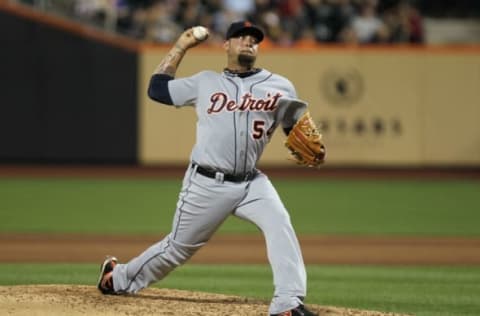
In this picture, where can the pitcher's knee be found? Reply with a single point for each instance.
(179, 252)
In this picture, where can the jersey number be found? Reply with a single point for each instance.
(259, 129)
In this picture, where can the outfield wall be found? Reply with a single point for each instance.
(70, 93)
(64, 97)
(408, 107)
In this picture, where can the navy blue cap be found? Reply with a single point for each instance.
(244, 27)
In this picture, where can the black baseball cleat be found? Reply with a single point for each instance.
(105, 280)
(300, 310)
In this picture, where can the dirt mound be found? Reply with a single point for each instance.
(75, 300)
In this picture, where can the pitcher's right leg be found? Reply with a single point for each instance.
(202, 207)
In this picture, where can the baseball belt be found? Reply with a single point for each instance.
(210, 173)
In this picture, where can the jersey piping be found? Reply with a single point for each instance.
(234, 126)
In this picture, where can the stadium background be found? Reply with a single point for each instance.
(74, 116)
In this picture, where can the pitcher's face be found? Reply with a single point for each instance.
(242, 50)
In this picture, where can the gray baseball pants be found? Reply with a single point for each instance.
(203, 205)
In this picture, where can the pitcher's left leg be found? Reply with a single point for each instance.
(263, 207)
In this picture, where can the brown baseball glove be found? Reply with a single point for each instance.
(304, 142)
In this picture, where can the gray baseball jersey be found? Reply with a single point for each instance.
(236, 118)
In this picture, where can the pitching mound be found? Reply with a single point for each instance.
(74, 300)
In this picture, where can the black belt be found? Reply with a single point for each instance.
(226, 177)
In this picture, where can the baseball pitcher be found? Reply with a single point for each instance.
(238, 111)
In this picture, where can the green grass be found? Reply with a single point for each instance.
(423, 291)
(316, 206)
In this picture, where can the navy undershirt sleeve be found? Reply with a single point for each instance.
(158, 88)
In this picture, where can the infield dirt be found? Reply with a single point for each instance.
(246, 249)
(55, 300)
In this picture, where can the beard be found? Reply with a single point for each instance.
(246, 60)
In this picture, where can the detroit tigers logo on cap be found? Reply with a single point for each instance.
(243, 28)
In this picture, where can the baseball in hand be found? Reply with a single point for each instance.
(200, 33)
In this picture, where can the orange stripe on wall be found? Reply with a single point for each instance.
(77, 28)
(299, 48)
